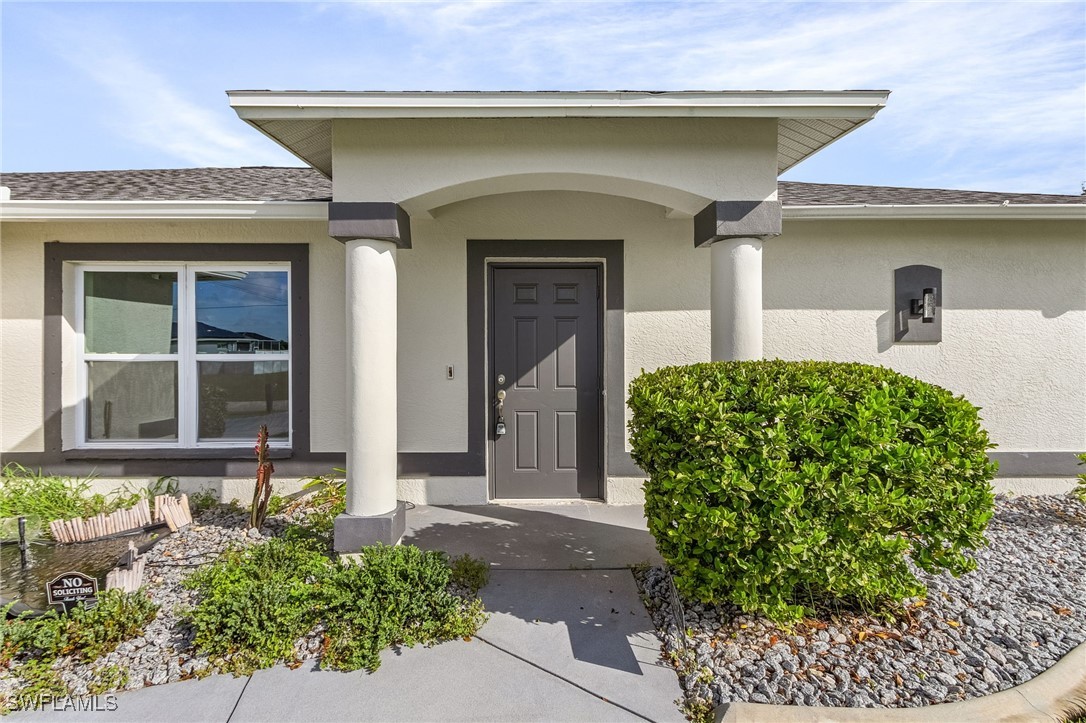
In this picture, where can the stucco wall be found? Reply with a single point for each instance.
(1014, 313)
(671, 159)
(666, 295)
(22, 302)
(1014, 330)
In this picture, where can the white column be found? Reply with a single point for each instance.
(736, 299)
(371, 377)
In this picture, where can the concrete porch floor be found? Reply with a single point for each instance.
(529, 536)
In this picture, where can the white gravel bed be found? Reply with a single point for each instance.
(1020, 611)
(164, 653)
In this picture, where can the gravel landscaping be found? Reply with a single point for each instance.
(1021, 610)
(164, 653)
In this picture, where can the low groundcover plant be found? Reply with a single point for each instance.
(774, 484)
(256, 603)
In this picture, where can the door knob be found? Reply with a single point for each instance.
(499, 402)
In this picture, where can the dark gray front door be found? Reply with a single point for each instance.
(545, 342)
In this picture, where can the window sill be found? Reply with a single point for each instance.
(175, 453)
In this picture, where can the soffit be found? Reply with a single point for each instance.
(301, 121)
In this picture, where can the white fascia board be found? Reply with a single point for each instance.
(30, 210)
(943, 211)
(323, 105)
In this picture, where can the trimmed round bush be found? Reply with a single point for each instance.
(774, 485)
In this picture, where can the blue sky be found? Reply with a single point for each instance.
(988, 96)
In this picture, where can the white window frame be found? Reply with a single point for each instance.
(186, 358)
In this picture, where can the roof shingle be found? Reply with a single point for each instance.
(263, 183)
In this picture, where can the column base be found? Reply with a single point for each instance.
(353, 532)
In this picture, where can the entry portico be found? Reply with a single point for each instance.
(411, 165)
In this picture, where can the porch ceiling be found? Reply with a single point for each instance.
(807, 121)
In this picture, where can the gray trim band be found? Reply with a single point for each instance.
(240, 463)
(736, 219)
(1037, 464)
(381, 220)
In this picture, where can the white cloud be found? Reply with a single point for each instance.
(150, 110)
(982, 91)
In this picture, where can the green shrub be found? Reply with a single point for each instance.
(391, 596)
(87, 633)
(256, 603)
(772, 482)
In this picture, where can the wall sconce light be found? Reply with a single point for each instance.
(924, 307)
(918, 304)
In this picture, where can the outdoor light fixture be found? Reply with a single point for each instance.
(918, 304)
(924, 307)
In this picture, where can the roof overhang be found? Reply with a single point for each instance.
(30, 210)
(163, 210)
(807, 121)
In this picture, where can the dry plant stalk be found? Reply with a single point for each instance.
(263, 488)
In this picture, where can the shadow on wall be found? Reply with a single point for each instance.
(602, 613)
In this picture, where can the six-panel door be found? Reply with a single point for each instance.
(546, 343)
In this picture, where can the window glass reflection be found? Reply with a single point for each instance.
(241, 312)
(237, 397)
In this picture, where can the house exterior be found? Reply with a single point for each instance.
(450, 300)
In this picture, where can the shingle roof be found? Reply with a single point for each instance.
(264, 183)
(793, 193)
(259, 183)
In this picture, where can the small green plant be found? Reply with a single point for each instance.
(107, 678)
(39, 680)
(24, 492)
(87, 633)
(1080, 486)
(773, 485)
(328, 500)
(276, 503)
(203, 500)
(469, 572)
(254, 604)
(697, 711)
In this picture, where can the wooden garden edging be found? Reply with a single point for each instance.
(171, 510)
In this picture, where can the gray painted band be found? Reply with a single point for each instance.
(381, 220)
(1037, 464)
(239, 463)
(736, 219)
(231, 462)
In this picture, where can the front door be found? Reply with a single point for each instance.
(545, 355)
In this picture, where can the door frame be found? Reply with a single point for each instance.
(490, 387)
(617, 461)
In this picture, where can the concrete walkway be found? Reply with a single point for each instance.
(563, 643)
